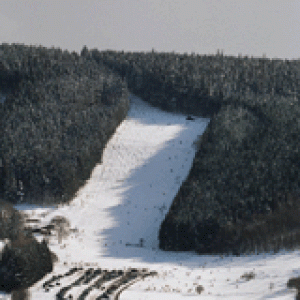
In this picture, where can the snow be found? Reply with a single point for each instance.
(4, 296)
(119, 210)
(2, 245)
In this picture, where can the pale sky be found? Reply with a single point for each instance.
(247, 27)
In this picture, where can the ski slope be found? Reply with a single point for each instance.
(117, 214)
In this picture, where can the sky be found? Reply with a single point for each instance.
(246, 27)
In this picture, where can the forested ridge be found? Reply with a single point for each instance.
(58, 113)
(60, 110)
(242, 193)
(202, 82)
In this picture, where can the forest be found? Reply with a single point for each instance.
(242, 193)
(59, 112)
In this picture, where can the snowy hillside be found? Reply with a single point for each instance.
(116, 216)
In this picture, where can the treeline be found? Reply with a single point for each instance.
(242, 193)
(202, 83)
(60, 110)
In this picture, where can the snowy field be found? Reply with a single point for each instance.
(117, 214)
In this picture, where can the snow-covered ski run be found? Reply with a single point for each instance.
(114, 222)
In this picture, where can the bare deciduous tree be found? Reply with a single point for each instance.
(61, 226)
